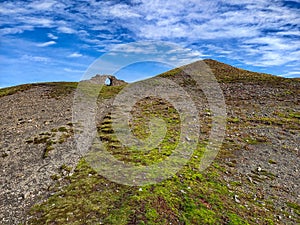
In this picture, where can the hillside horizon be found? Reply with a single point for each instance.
(210, 62)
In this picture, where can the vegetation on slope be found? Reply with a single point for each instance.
(229, 74)
(189, 197)
(82, 196)
(59, 88)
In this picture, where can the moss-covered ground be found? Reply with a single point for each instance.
(189, 197)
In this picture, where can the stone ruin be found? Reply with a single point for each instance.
(109, 80)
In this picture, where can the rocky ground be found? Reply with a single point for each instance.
(259, 158)
(27, 121)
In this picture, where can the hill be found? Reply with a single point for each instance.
(253, 180)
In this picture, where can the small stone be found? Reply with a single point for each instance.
(26, 195)
(279, 217)
(236, 199)
(250, 179)
(187, 138)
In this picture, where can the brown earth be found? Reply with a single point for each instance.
(260, 153)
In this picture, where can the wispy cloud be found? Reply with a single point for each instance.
(15, 30)
(123, 11)
(42, 5)
(66, 30)
(35, 58)
(292, 74)
(73, 70)
(163, 52)
(75, 55)
(52, 36)
(45, 44)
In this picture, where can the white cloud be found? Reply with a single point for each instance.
(35, 58)
(292, 74)
(15, 30)
(273, 43)
(36, 21)
(269, 58)
(269, 51)
(52, 36)
(167, 20)
(75, 55)
(122, 11)
(156, 19)
(294, 33)
(11, 8)
(73, 71)
(42, 5)
(45, 44)
(66, 30)
(153, 51)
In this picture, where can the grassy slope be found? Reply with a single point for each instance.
(58, 88)
(190, 197)
(229, 74)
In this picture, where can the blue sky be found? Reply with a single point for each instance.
(50, 40)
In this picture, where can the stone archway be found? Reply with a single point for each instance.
(108, 81)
